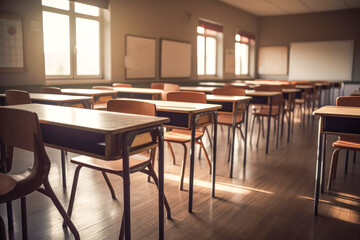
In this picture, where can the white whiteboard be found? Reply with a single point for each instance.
(140, 57)
(331, 60)
(175, 59)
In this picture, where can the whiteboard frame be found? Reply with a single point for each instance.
(151, 75)
(162, 64)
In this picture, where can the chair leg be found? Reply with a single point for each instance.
(183, 164)
(252, 128)
(73, 192)
(156, 180)
(107, 180)
(199, 157)
(205, 153)
(209, 136)
(172, 152)
(24, 218)
(2, 229)
(241, 132)
(354, 157)
(333, 166)
(260, 127)
(10, 216)
(346, 162)
(228, 135)
(49, 192)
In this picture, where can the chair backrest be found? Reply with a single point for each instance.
(186, 96)
(350, 101)
(231, 91)
(271, 88)
(157, 86)
(167, 87)
(51, 90)
(131, 106)
(121, 85)
(20, 128)
(15, 97)
(103, 87)
(241, 86)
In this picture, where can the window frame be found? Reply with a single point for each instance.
(248, 55)
(216, 37)
(72, 32)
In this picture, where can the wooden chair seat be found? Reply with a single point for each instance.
(100, 106)
(181, 136)
(115, 167)
(6, 183)
(227, 119)
(264, 111)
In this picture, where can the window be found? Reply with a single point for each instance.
(241, 55)
(71, 33)
(207, 48)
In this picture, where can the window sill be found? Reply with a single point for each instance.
(76, 81)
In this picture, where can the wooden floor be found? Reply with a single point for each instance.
(271, 199)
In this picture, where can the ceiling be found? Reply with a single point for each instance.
(285, 7)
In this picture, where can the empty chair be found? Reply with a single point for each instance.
(184, 136)
(100, 104)
(263, 111)
(121, 85)
(167, 87)
(344, 142)
(15, 97)
(51, 90)
(137, 163)
(21, 129)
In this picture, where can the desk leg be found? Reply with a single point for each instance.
(282, 120)
(213, 165)
(320, 98)
(192, 157)
(160, 132)
(126, 187)
(268, 130)
(323, 163)
(278, 124)
(63, 168)
(246, 131)
(232, 143)
(318, 169)
(289, 124)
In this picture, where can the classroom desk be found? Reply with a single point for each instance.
(334, 120)
(264, 97)
(94, 93)
(356, 93)
(186, 115)
(323, 86)
(142, 93)
(288, 95)
(309, 91)
(55, 99)
(231, 104)
(207, 90)
(105, 135)
(212, 84)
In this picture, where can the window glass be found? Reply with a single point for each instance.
(200, 55)
(60, 4)
(87, 47)
(56, 43)
(210, 56)
(86, 9)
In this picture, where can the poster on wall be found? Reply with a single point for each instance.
(11, 43)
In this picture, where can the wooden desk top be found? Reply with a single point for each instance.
(338, 111)
(181, 107)
(304, 86)
(212, 84)
(90, 120)
(356, 93)
(226, 98)
(87, 92)
(265, 83)
(139, 90)
(290, 90)
(262, 93)
(197, 89)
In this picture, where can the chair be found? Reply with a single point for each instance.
(344, 142)
(100, 104)
(263, 111)
(167, 87)
(15, 97)
(121, 85)
(21, 129)
(6, 185)
(137, 163)
(183, 136)
(226, 118)
(51, 90)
